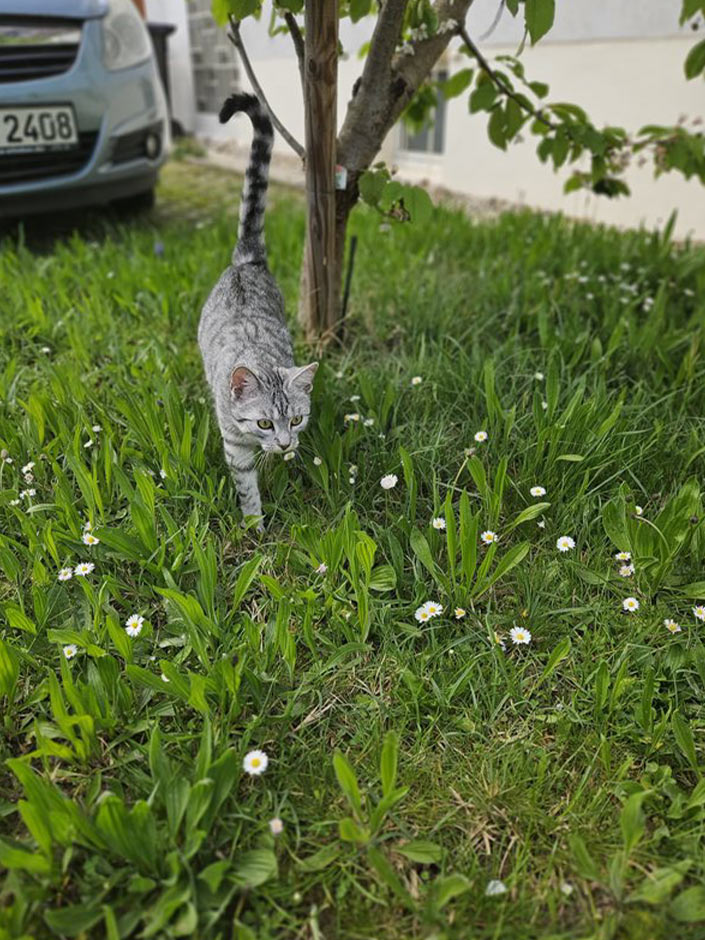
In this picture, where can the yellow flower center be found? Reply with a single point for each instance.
(256, 762)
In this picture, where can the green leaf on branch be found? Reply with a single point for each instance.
(483, 97)
(497, 128)
(372, 184)
(695, 60)
(691, 8)
(456, 84)
(417, 203)
(539, 15)
(239, 9)
(358, 9)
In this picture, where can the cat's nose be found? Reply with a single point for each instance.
(283, 440)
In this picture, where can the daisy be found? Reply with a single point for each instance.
(520, 636)
(89, 442)
(537, 491)
(83, 568)
(544, 405)
(480, 436)
(368, 422)
(421, 614)
(7, 460)
(630, 604)
(289, 455)
(322, 568)
(498, 640)
(638, 510)
(438, 522)
(70, 650)
(28, 467)
(87, 525)
(29, 478)
(567, 888)
(416, 380)
(459, 613)
(255, 763)
(165, 678)
(133, 625)
(699, 612)
(354, 398)
(489, 537)
(14, 502)
(671, 626)
(276, 826)
(541, 523)
(96, 429)
(565, 543)
(89, 539)
(65, 574)
(623, 556)
(494, 888)
(538, 376)
(162, 474)
(317, 461)
(27, 493)
(351, 417)
(433, 609)
(626, 571)
(389, 481)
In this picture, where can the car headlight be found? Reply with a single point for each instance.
(126, 41)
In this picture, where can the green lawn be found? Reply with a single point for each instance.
(568, 768)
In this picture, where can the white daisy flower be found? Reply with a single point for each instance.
(322, 568)
(351, 417)
(495, 888)
(165, 678)
(488, 537)
(70, 650)
(28, 467)
(289, 455)
(338, 375)
(354, 398)
(537, 491)
(520, 636)
(565, 543)
(539, 376)
(65, 574)
(541, 523)
(480, 436)
(421, 614)
(162, 473)
(389, 481)
(29, 477)
(83, 568)
(96, 429)
(459, 613)
(638, 510)
(671, 625)
(699, 612)
(276, 826)
(133, 625)
(255, 763)
(630, 604)
(626, 571)
(623, 556)
(567, 888)
(89, 539)
(498, 640)
(433, 608)
(438, 522)
(368, 422)
(317, 461)
(416, 380)
(25, 494)
(15, 502)
(544, 405)
(7, 460)
(89, 442)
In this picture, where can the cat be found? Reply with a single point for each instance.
(262, 400)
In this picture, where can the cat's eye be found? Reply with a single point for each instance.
(297, 419)
(265, 424)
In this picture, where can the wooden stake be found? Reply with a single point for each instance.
(319, 301)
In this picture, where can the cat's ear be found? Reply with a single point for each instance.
(243, 383)
(301, 378)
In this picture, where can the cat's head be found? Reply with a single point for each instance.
(270, 408)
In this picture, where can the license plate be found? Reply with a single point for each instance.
(32, 129)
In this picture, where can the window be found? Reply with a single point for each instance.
(430, 139)
(212, 58)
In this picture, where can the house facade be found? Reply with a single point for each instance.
(622, 61)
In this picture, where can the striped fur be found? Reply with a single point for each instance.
(250, 237)
(244, 340)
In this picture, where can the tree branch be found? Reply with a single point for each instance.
(298, 41)
(499, 81)
(236, 40)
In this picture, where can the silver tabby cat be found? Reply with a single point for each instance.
(262, 400)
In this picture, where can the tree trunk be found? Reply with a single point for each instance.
(318, 305)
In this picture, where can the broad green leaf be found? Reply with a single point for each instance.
(372, 183)
(17, 618)
(388, 762)
(245, 578)
(358, 9)
(684, 739)
(695, 61)
(456, 84)
(321, 859)
(383, 578)
(350, 831)
(539, 15)
(73, 920)
(526, 515)
(388, 876)
(584, 863)
(255, 867)
(9, 669)
(417, 203)
(632, 821)
(689, 906)
(658, 885)
(560, 651)
(497, 128)
(422, 852)
(15, 858)
(447, 887)
(347, 781)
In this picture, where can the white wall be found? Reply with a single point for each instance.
(180, 75)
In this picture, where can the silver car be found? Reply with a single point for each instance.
(83, 115)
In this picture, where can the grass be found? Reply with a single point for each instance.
(411, 762)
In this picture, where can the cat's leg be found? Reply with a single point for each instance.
(241, 461)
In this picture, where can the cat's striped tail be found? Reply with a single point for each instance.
(250, 237)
